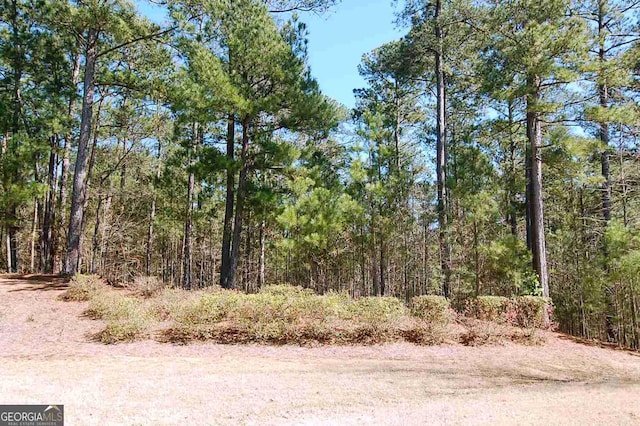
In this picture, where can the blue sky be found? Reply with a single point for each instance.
(337, 41)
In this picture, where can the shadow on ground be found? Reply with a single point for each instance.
(598, 344)
(35, 282)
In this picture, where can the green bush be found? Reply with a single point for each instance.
(375, 309)
(114, 306)
(292, 315)
(128, 318)
(147, 286)
(487, 308)
(434, 309)
(286, 290)
(522, 311)
(82, 288)
(284, 314)
(127, 330)
(530, 312)
(478, 333)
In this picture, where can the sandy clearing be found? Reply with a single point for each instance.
(46, 357)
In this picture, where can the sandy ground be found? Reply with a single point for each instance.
(46, 357)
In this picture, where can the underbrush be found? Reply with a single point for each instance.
(292, 315)
(283, 314)
(128, 319)
(479, 333)
(432, 308)
(82, 288)
(523, 311)
(146, 286)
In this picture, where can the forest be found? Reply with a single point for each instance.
(493, 151)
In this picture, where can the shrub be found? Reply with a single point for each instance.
(82, 288)
(433, 309)
(285, 314)
(530, 312)
(478, 332)
(208, 309)
(287, 290)
(375, 309)
(127, 330)
(523, 311)
(147, 286)
(128, 318)
(113, 306)
(172, 303)
(487, 308)
(292, 315)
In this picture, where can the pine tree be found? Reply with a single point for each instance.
(539, 43)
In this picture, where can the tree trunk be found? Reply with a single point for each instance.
(261, 266)
(152, 218)
(3, 151)
(34, 237)
(92, 157)
(47, 235)
(240, 198)
(95, 240)
(396, 130)
(476, 257)
(228, 211)
(603, 133)
(534, 133)
(12, 235)
(383, 272)
(8, 247)
(79, 179)
(441, 161)
(152, 215)
(16, 113)
(60, 236)
(188, 224)
(513, 203)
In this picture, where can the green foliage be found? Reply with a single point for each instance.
(479, 333)
(147, 286)
(127, 318)
(82, 288)
(112, 305)
(285, 290)
(434, 309)
(376, 309)
(530, 312)
(126, 330)
(508, 268)
(286, 314)
(522, 311)
(487, 308)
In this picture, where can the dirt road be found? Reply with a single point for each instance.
(46, 357)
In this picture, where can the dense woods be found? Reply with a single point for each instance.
(493, 151)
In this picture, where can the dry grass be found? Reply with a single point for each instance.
(81, 288)
(479, 332)
(277, 315)
(432, 309)
(146, 286)
(292, 315)
(522, 311)
(128, 318)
